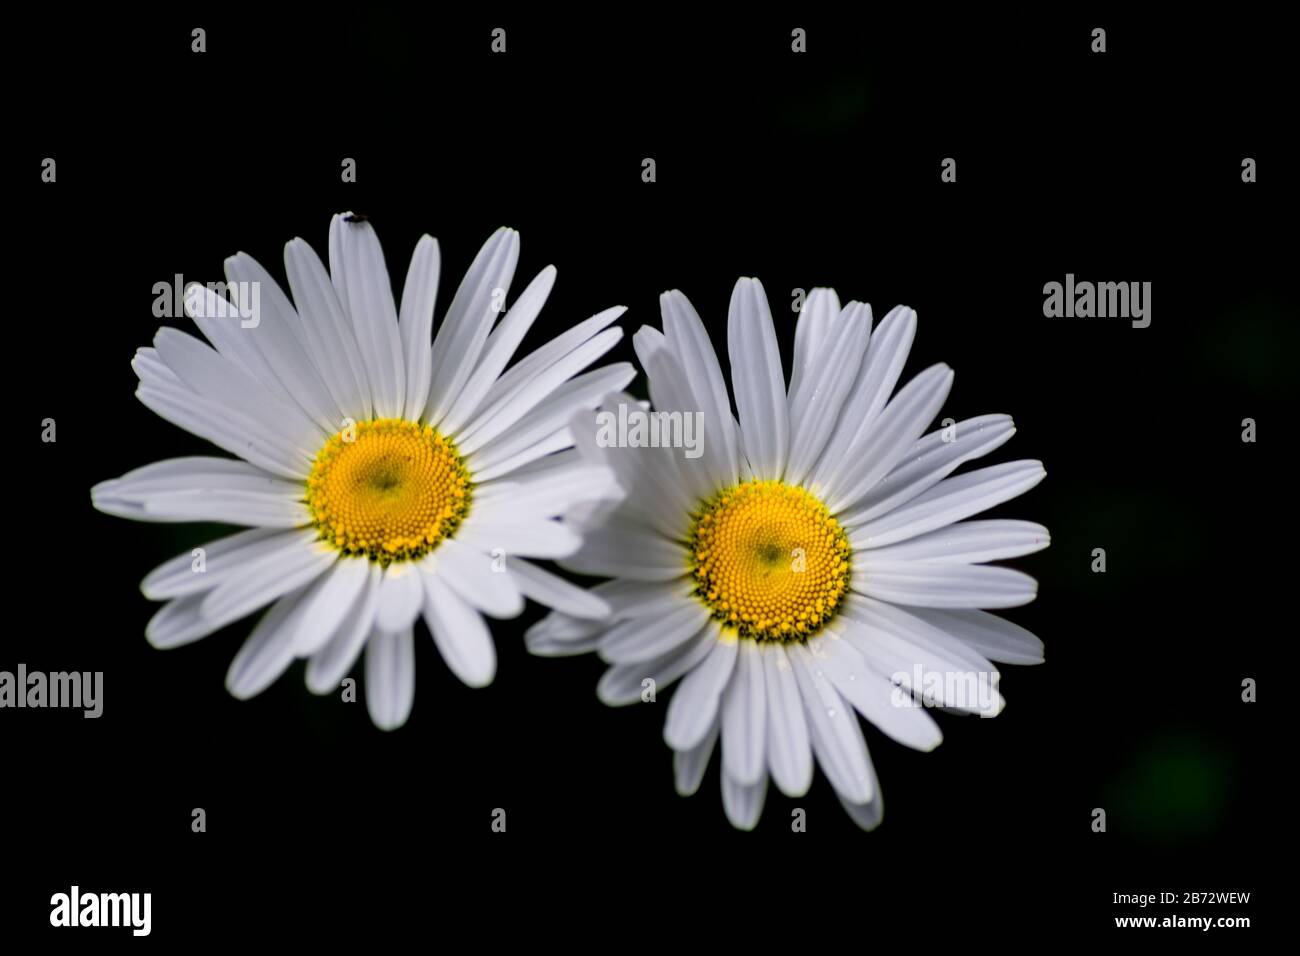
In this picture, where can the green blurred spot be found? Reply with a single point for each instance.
(836, 105)
(1252, 344)
(1174, 789)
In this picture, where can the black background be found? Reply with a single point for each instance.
(803, 170)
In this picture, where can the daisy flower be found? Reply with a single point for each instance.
(809, 560)
(383, 473)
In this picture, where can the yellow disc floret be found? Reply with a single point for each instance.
(769, 560)
(388, 489)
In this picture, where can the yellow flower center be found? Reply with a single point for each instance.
(769, 560)
(388, 489)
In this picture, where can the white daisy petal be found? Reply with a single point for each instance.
(641, 639)
(630, 598)
(907, 652)
(235, 432)
(473, 309)
(267, 652)
(327, 332)
(650, 477)
(330, 664)
(512, 533)
(833, 729)
(497, 419)
(994, 637)
(559, 440)
(296, 561)
(946, 585)
(361, 278)
(652, 491)
(903, 629)
(552, 413)
(390, 677)
(865, 815)
(695, 702)
(325, 608)
(151, 370)
(897, 715)
(887, 352)
(203, 568)
(219, 320)
(276, 331)
(183, 621)
(743, 803)
(208, 373)
(552, 492)
(178, 475)
(401, 597)
(815, 408)
(415, 323)
(689, 765)
(966, 542)
(952, 500)
(549, 589)
(248, 508)
(757, 380)
(179, 622)
(789, 753)
(566, 458)
(565, 627)
(544, 643)
(459, 631)
(672, 394)
(625, 684)
(625, 550)
(523, 372)
(498, 349)
(929, 461)
(199, 488)
(896, 430)
(819, 309)
(744, 719)
(963, 692)
(479, 579)
(689, 342)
